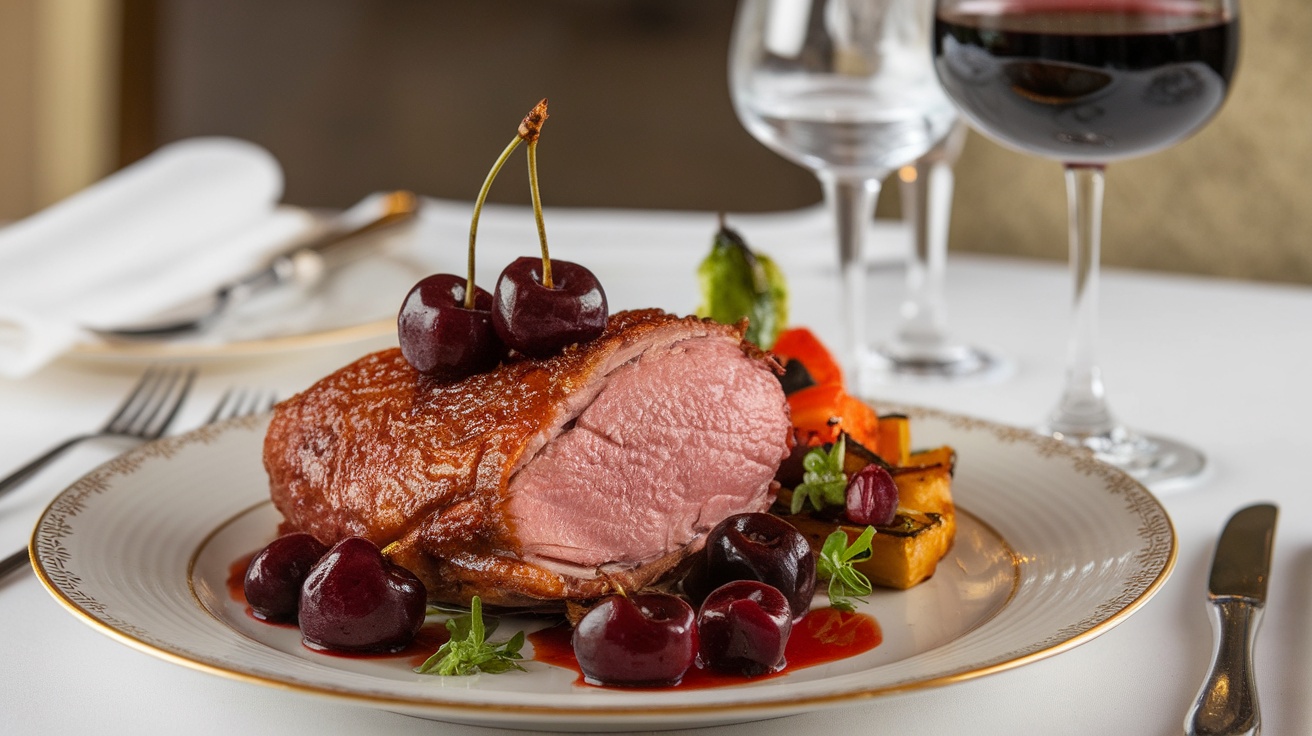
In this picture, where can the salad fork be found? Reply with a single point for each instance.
(144, 415)
(232, 404)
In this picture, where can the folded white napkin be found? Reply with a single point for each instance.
(173, 226)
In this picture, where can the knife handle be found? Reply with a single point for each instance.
(1227, 704)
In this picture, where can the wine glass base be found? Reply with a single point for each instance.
(1160, 463)
(889, 363)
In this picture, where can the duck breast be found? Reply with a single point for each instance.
(540, 481)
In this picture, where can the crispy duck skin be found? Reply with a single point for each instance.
(428, 469)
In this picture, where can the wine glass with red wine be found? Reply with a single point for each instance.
(1088, 83)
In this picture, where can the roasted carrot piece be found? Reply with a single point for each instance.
(862, 424)
(800, 344)
(816, 411)
(824, 410)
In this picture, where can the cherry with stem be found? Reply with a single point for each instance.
(540, 307)
(445, 325)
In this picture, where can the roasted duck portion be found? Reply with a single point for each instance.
(540, 481)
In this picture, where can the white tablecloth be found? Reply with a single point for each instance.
(1217, 363)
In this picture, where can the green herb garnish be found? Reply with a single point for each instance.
(836, 561)
(467, 651)
(823, 480)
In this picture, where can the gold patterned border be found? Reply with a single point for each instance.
(51, 556)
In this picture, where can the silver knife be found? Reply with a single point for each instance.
(1227, 704)
(303, 262)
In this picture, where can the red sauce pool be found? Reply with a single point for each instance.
(824, 635)
(237, 577)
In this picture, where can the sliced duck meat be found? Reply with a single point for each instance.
(540, 481)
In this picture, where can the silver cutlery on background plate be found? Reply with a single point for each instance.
(1227, 703)
(344, 240)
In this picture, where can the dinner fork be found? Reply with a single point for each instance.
(144, 415)
(237, 402)
(234, 403)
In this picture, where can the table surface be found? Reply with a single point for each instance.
(1220, 364)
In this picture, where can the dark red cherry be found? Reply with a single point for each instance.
(644, 639)
(872, 496)
(275, 574)
(766, 548)
(440, 337)
(538, 321)
(355, 600)
(743, 628)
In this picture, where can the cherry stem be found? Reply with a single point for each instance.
(478, 209)
(537, 210)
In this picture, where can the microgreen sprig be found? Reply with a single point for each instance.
(467, 651)
(836, 561)
(823, 480)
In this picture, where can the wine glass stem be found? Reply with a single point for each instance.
(926, 197)
(1083, 411)
(852, 201)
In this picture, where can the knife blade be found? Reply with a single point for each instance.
(303, 262)
(1227, 704)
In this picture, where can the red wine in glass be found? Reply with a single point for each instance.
(1087, 82)
(1087, 86)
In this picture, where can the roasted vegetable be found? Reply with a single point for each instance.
(902, 553)
(821, 412)
(907, 551)
(737, 283)
(893, 438)
(800, 344)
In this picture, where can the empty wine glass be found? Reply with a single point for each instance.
(1086, 84)
(845, 88)
(921, 347)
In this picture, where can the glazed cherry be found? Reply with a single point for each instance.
(872, 497)
(539, 306)
(644, 639)
(275, 574)
(439, 336)
(766, 548)
(743, 628)
(538, 321)
(355, 600)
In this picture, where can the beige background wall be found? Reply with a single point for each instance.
(57, 99)
(356, 95)
(16, 107)
(1236, 199)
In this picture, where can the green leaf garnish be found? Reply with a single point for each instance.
(823, 480)
(468, 651)
(836, 561)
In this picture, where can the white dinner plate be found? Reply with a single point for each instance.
(1053, 549)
